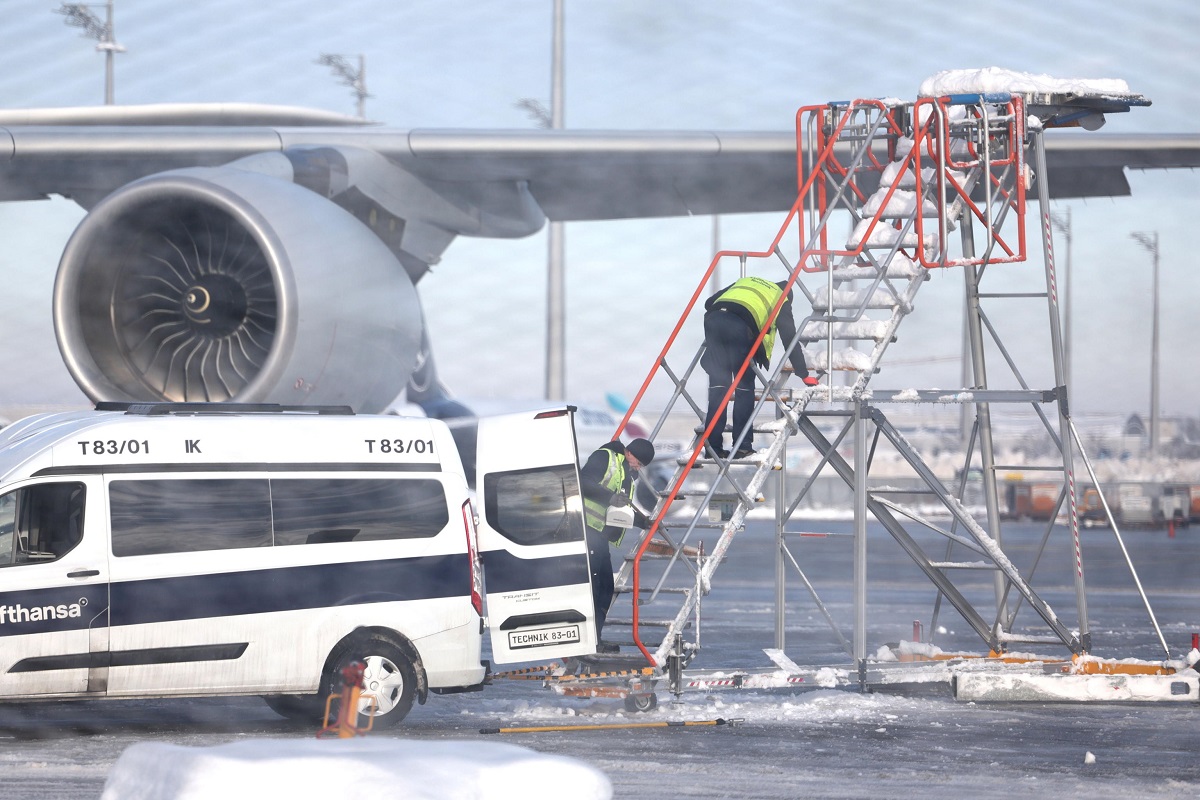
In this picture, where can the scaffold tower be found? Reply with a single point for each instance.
(890, 195)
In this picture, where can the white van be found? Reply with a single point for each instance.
(154, 550)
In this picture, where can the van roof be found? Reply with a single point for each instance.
(146, 436)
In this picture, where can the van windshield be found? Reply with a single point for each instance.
(40, 523)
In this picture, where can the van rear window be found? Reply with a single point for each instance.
(535, 506)
(187, 515)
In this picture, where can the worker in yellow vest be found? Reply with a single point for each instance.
(733, 318)
(607, 480)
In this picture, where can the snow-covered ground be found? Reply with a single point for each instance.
(350, 768)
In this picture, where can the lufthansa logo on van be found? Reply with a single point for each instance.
(20, 613)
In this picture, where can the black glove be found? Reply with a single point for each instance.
(619, 500)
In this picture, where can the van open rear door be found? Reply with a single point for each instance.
(531, 537)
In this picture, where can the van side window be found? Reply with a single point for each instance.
(183, 516)
(40, 523)
(357, 509)
(535, 506)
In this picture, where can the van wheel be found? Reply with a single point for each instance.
(389, 679)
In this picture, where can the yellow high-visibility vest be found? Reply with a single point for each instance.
(594, 513)
(758, 296)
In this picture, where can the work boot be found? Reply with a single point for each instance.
(607, 647)
(744, 452)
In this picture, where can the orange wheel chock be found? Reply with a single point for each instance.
(346, 727)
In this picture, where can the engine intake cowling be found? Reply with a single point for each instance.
(206, 285)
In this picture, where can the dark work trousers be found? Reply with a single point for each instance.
(727, 340)
(600, 561)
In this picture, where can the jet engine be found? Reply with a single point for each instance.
(214, 284)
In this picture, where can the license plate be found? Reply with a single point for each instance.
(543, 637)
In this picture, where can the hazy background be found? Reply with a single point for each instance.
(669, 64)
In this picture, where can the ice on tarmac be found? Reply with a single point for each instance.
(415, 770)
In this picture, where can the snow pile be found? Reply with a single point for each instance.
(350, 768)
(995, 79)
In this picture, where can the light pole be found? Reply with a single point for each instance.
(556, 284)
(1063, 224)
(355, 79)
(78, 16)
(1150, 242)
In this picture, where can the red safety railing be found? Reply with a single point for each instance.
(1000, 149)
(825, 155)
(818, 132)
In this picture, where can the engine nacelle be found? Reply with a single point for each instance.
(213, 284)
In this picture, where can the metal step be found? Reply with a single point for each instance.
(853, 300)
(884, 236)
(1029, 639)
(899, 267)
(863, 330)
(902, 204)
(663, 590)
(628, 623)
(652, 556)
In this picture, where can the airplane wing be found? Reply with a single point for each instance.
(573, 175)
(210, 228)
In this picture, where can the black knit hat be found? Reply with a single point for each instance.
(642, 450)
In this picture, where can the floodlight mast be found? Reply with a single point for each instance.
(556, 292)
(355, 79)
(78, 16)
(556, 285)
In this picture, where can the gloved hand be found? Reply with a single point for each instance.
(811, 380)
(619, 500)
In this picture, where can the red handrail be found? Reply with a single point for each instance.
(825, 155)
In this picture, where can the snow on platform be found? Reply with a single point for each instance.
(997, 79)
(1016, 677)
(414, 770)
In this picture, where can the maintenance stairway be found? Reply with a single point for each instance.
(937, 183)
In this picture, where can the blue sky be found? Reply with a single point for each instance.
(629, 64)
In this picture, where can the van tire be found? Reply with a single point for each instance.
(389, 678)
